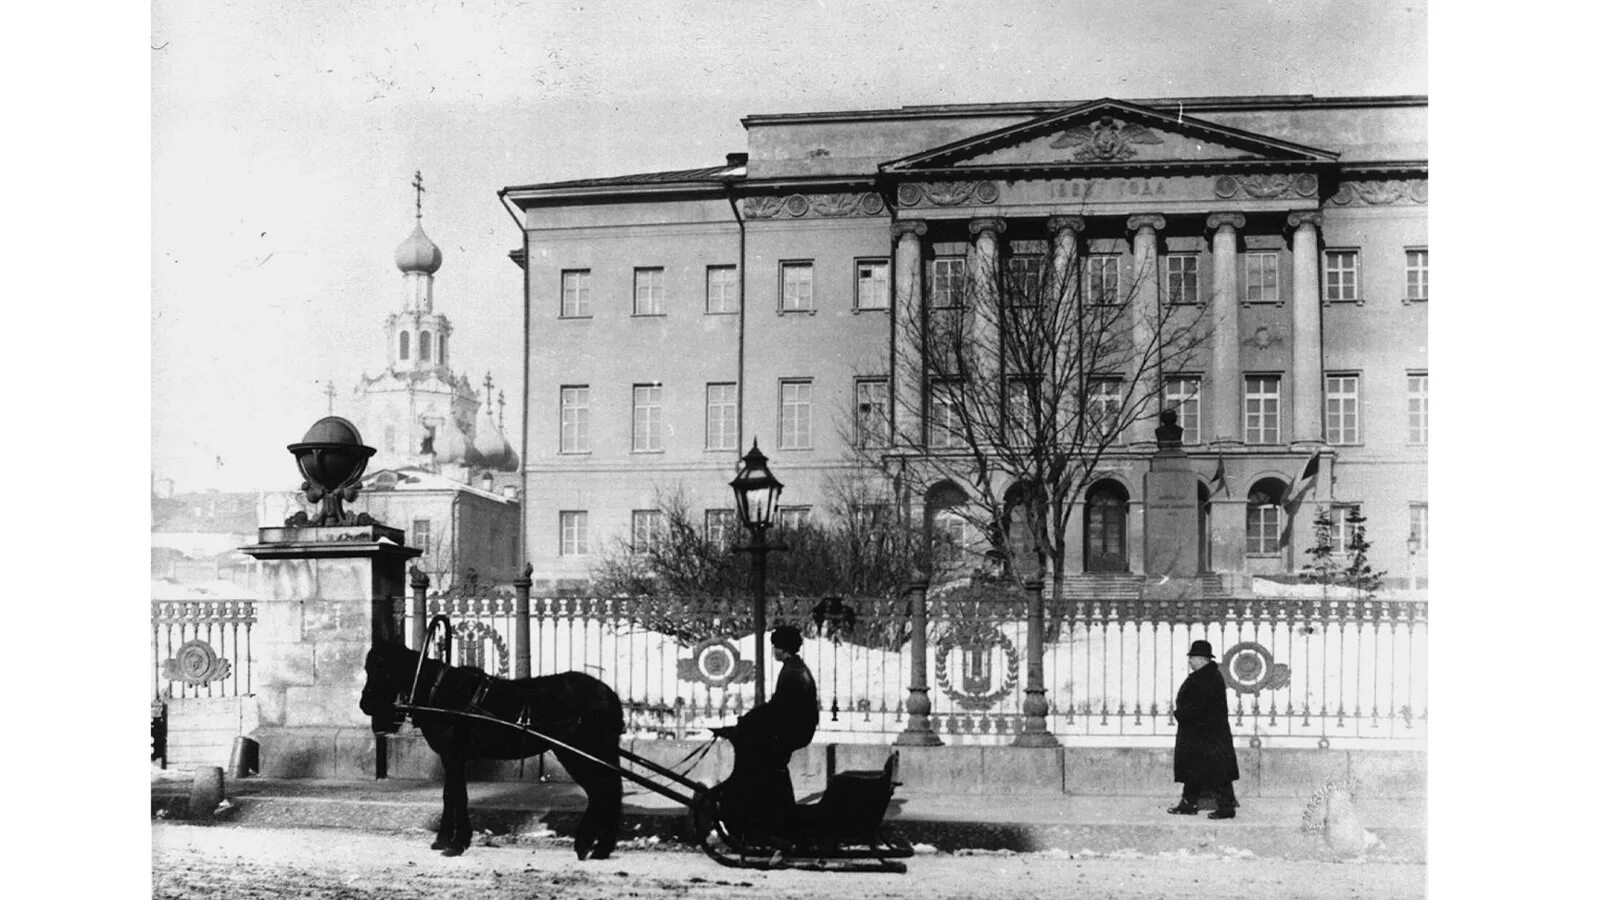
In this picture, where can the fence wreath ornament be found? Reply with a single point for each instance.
(195, 663)
(986, 639)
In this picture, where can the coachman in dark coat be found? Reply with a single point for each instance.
(759, 791)
(1203, 759)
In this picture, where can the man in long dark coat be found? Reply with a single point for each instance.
(1203, 759)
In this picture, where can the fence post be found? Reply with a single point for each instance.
(419, 609)
(917, 732)
(521, 631)
(1035, 731)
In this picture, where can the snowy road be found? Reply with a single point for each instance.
(252, 863)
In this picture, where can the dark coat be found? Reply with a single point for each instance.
(788, 720)
(1204, 752)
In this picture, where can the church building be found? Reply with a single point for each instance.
(675, 317)
(444, 471)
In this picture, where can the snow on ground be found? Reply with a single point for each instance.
(191, 861)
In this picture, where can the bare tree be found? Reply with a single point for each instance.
(1035, 373)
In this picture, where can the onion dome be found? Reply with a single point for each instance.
(492, 445)
(418, 254)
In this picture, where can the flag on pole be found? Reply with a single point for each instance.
(1305, 483)
(1297, 492)
(1219, 480)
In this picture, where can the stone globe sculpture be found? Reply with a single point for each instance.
(332, 459)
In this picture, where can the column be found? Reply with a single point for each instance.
(1306, 345)
(905, 359)
(1145, 296)
(1066, 280)
(918, 732)
(1035, 707)
(1225, 388)
(985, 293)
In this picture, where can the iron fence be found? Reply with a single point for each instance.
(200, 648)
(1296, 669)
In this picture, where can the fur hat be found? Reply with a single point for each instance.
(786, 637)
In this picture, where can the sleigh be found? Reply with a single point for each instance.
(843, 830)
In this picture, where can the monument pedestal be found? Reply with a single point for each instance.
(326, 593)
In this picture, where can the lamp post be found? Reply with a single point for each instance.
(755, 494)
(1413, 544)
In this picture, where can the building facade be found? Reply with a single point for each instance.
(675, 317)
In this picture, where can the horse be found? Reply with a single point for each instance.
(571, 707)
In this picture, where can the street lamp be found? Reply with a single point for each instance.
(755, 493)
(1413, 544)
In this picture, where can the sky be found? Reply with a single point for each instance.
(284, 138)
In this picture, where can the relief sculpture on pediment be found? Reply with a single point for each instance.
(800, 205)
(1266, 186)
(1107, 140)
(1382, 193)
(948, 193)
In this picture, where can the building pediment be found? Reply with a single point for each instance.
(1108, 134)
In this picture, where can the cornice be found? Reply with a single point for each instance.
(1044, 107)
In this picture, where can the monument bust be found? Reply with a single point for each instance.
(1169, 434)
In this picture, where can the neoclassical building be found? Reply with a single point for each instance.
(674, 317)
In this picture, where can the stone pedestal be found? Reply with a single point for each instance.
(326, 593)
(1171, 518)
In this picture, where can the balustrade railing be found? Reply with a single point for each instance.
(1298, 670)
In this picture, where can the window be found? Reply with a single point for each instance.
(944, 282)
(422, 534)
(575, 419)
(1104, 408)
(1417, 274)
(1183, 278)
(950, 536)
(1261, 277)
(574, 533)
(796, 294)
(575, 294)
(1342, 403)
(722, 418)
(1103, 273)
(1263, 521)
(649, 292)
(425, 346)
(1343, 530)
(872, 412)
(1022, 399)
(647, 418)
(1261, 394)
(792, 517)
(872, 284)
(721, 525)
(1182, 393)
(1105, 528)
(794, 425)
(405, 345)
(1026, 274)
(649, 531)
(1340, 269)
(722, 290)
(1419, 526)
(943, 421)
(442, 338)
(1417, 407)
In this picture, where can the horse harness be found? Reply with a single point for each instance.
(478, 702)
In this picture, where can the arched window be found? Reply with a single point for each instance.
(1264, 518)
(442, 360)
(425, 346)
(1018, 534)
(1105, 528)
(946, 532)
(405, 345)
